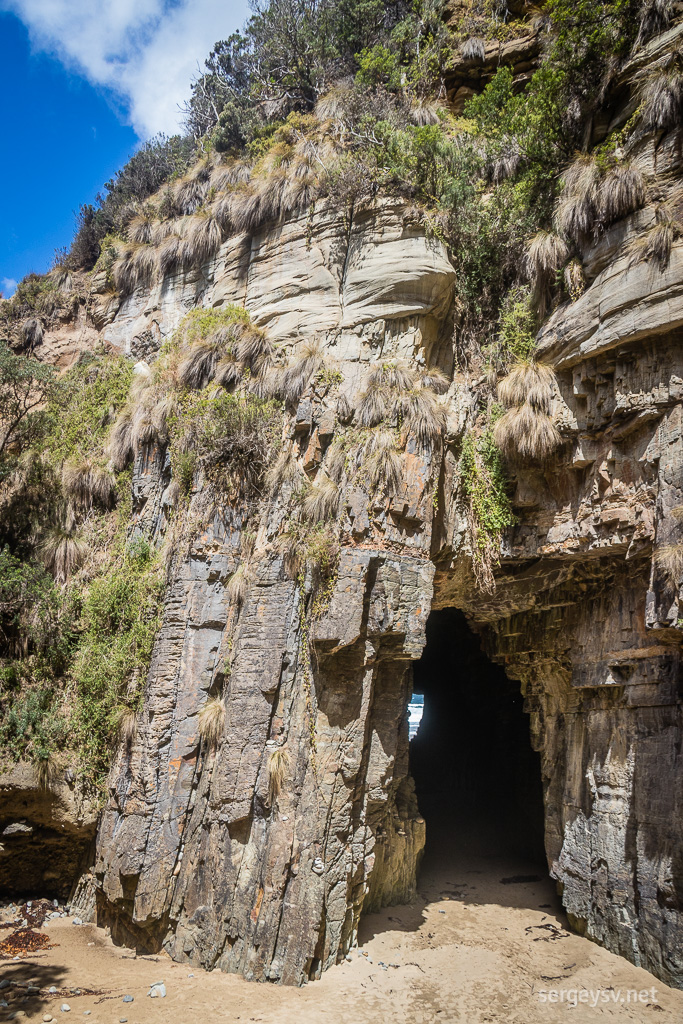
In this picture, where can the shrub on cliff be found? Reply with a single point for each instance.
(489, 510)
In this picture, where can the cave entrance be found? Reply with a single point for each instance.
(477, 778)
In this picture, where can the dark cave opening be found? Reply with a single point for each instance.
(478, 780)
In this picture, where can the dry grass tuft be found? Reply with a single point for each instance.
(142, 432)
(422, 415)
(62, 552)
(278, 764)
(87, 484)
(669, 560)
(528, 381)
(285, 472)
(296, 377)
(662, 98)
(228, 370)
(344, 409)
(655, 244)
(474, 48)
(46, 771)
(134, 267)
(203, 238)
(432, 379)
(238, 584)
(393, 374)
(254, 349)
(576, 210)
(574, 279)
(546, 253)
(621, 192)
(141, 229)
(527, 433)
(120, 447)
(372, 407)
(212, 722)
(383, 463)
(126, 726)
(323, 501)
(162, 413)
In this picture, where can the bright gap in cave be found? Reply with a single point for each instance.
(478, 780)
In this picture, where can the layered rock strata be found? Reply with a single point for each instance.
(196, 853)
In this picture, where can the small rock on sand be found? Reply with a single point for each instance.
(65, 1007)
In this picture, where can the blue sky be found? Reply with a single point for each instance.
(83, 83)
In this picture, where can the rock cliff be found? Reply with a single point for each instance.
(204, 850)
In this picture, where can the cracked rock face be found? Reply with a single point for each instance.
(197, 851)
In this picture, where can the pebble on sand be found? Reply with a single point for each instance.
(65, 1007)
(128, 999)
(157, 990)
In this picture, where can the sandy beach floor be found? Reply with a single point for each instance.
(471, 949)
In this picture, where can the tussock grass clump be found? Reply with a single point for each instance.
(278, 765)
(212, 722)
(221, 343)
(526, 433)
(432, 379)
(238, 584)
(655, 245)
(662, 97)
(323, 501)
(46, 770)
(135, 267)
(574, 279)
(126, 726)
(297, 376)
(528, 381)
(422, 415)
(383, 463)
(87, 484)
(526, 430)
(621, 192)
(545, 254)
(344, 409)
(285, 472)
(254, 349)
(200, 364)
(576, 210)
(62, 552)
(669, 560)
(396, 393)
(32, 332)
(474, 48)
(120, 447)
(595, 195)
(141, 229)
(190, 191)
(372, 407)
(203, 237)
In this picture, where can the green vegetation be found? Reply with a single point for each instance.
(81, 406)
(24, 386)
(120, 619)
(79, 605)
(485, 486)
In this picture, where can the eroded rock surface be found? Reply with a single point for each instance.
(195, 852)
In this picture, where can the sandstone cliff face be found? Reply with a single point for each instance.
(194, 853)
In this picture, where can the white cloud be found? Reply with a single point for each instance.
(8, 286)
(146, 51)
